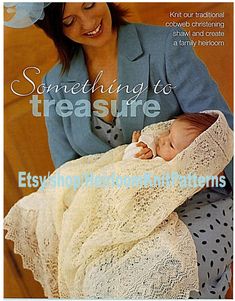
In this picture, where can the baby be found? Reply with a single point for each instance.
(184, 129)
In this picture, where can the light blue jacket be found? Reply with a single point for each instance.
(146, 54)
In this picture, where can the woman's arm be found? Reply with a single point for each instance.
(194, 88)
(60, 148)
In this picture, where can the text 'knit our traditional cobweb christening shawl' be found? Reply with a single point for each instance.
(117, 242)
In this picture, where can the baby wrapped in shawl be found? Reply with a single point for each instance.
(117, 242)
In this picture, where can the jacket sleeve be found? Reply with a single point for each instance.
(60, 148)
(194, 89)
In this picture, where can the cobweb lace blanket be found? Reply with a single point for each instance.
(112, 241)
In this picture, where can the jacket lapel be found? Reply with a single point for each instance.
(81, 131)
(133, 72)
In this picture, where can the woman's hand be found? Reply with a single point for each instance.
(145, 153)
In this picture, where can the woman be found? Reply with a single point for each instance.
(91, 37)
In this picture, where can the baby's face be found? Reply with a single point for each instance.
(175, 140)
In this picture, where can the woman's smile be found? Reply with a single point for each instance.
(89, 24)
(96, 32)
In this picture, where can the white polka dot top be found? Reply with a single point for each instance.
(110, 133)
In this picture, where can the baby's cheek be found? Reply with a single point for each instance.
(174, 153)
(168, 155)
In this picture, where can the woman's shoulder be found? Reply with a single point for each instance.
(151, 37)
(147, 31)
(54, 74)
(150, 28)
(57, 74)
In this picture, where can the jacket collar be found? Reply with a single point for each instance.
(133, 68)
(127, 37)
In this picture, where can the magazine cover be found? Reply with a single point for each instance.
(118, 148)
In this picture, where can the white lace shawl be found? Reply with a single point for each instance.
(117, 242)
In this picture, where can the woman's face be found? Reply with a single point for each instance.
(87, 23)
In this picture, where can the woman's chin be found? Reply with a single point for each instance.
(101, 40)
(97, 43)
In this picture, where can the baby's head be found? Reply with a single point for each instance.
(183, 131)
